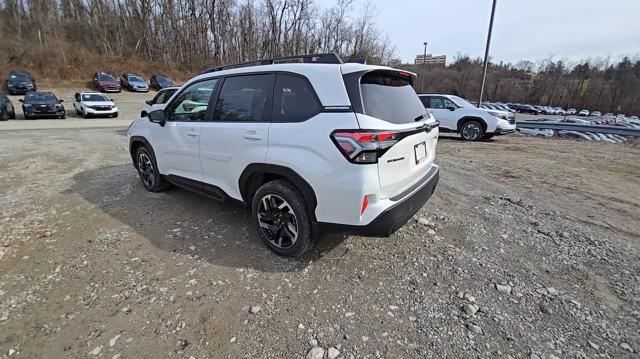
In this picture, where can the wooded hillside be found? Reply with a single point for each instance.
(70, 39)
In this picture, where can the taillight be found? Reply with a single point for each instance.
(364, 147)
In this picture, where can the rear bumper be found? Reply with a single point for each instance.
(394, 217)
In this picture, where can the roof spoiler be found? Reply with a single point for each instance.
(328, 58)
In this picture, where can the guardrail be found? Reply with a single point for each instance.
(613, 130)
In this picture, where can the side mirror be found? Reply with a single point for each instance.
(451, 108)
(157, 116)
(21, 100)
(61, 100)
(149, 102)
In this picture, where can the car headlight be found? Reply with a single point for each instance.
(58, 107)
(26, 105)
(499, 115)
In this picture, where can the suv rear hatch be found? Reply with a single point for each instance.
(387, 106)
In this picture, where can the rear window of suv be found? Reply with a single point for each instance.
(391, 98)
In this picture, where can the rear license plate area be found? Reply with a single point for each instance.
(420, 151)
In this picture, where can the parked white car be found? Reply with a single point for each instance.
(583, 113)
(309, 146)
(159, 100)
(457, 115)
(94, 104)
(538, 132)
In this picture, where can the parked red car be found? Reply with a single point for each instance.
(105, 82)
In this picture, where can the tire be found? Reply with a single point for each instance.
(12, 115)
(280, 214)
(147, 168)
(78, 112)
(62, 117)
(115, 115)
(84, 114)
(471, 130)
(4, 116)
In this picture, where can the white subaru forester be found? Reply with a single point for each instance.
(308, 142)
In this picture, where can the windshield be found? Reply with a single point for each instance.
(461, 102)
(20, 76)
(40, 97)
(105, 77)
(390, 98)
(94, 98)
(135, 78)
(163, 80)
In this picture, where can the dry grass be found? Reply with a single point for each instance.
(60, 63)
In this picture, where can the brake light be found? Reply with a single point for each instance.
(364, 147)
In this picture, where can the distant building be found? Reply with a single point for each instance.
(431, 60)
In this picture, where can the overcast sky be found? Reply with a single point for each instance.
(523, 29)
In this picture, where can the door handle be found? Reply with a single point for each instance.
(252, 135)
(192, 133)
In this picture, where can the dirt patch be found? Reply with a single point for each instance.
(531, 249)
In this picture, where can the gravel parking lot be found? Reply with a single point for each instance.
(528, 249)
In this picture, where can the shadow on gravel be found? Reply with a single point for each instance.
(188, 223)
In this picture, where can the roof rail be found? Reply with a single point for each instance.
(328, 58)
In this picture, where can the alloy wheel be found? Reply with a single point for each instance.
(146, 170)
(277, 221)
(471, 131)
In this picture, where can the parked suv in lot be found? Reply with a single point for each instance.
(20, 82)
(472, 123)
(94, 104)
(309, 143)
(105, 82)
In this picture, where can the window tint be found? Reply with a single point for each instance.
(163, 96)
(441, 103)
(294, 100)
(245, 98)
(425, 101)
(192, 103)
(391, 98)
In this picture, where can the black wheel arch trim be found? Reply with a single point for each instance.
(145, 142)
(261, 169)
(471, 118)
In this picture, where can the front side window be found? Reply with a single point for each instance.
(245, 99)
(437, 103)
(294, 100)
(191, 104)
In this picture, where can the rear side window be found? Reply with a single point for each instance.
(391, 98)
(245, 99)
(294, 100)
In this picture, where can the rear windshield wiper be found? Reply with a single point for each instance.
(419, 118)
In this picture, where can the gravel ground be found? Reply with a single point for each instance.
(528, 249)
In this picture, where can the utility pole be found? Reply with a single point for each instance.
(486, 52)
(424, 65)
